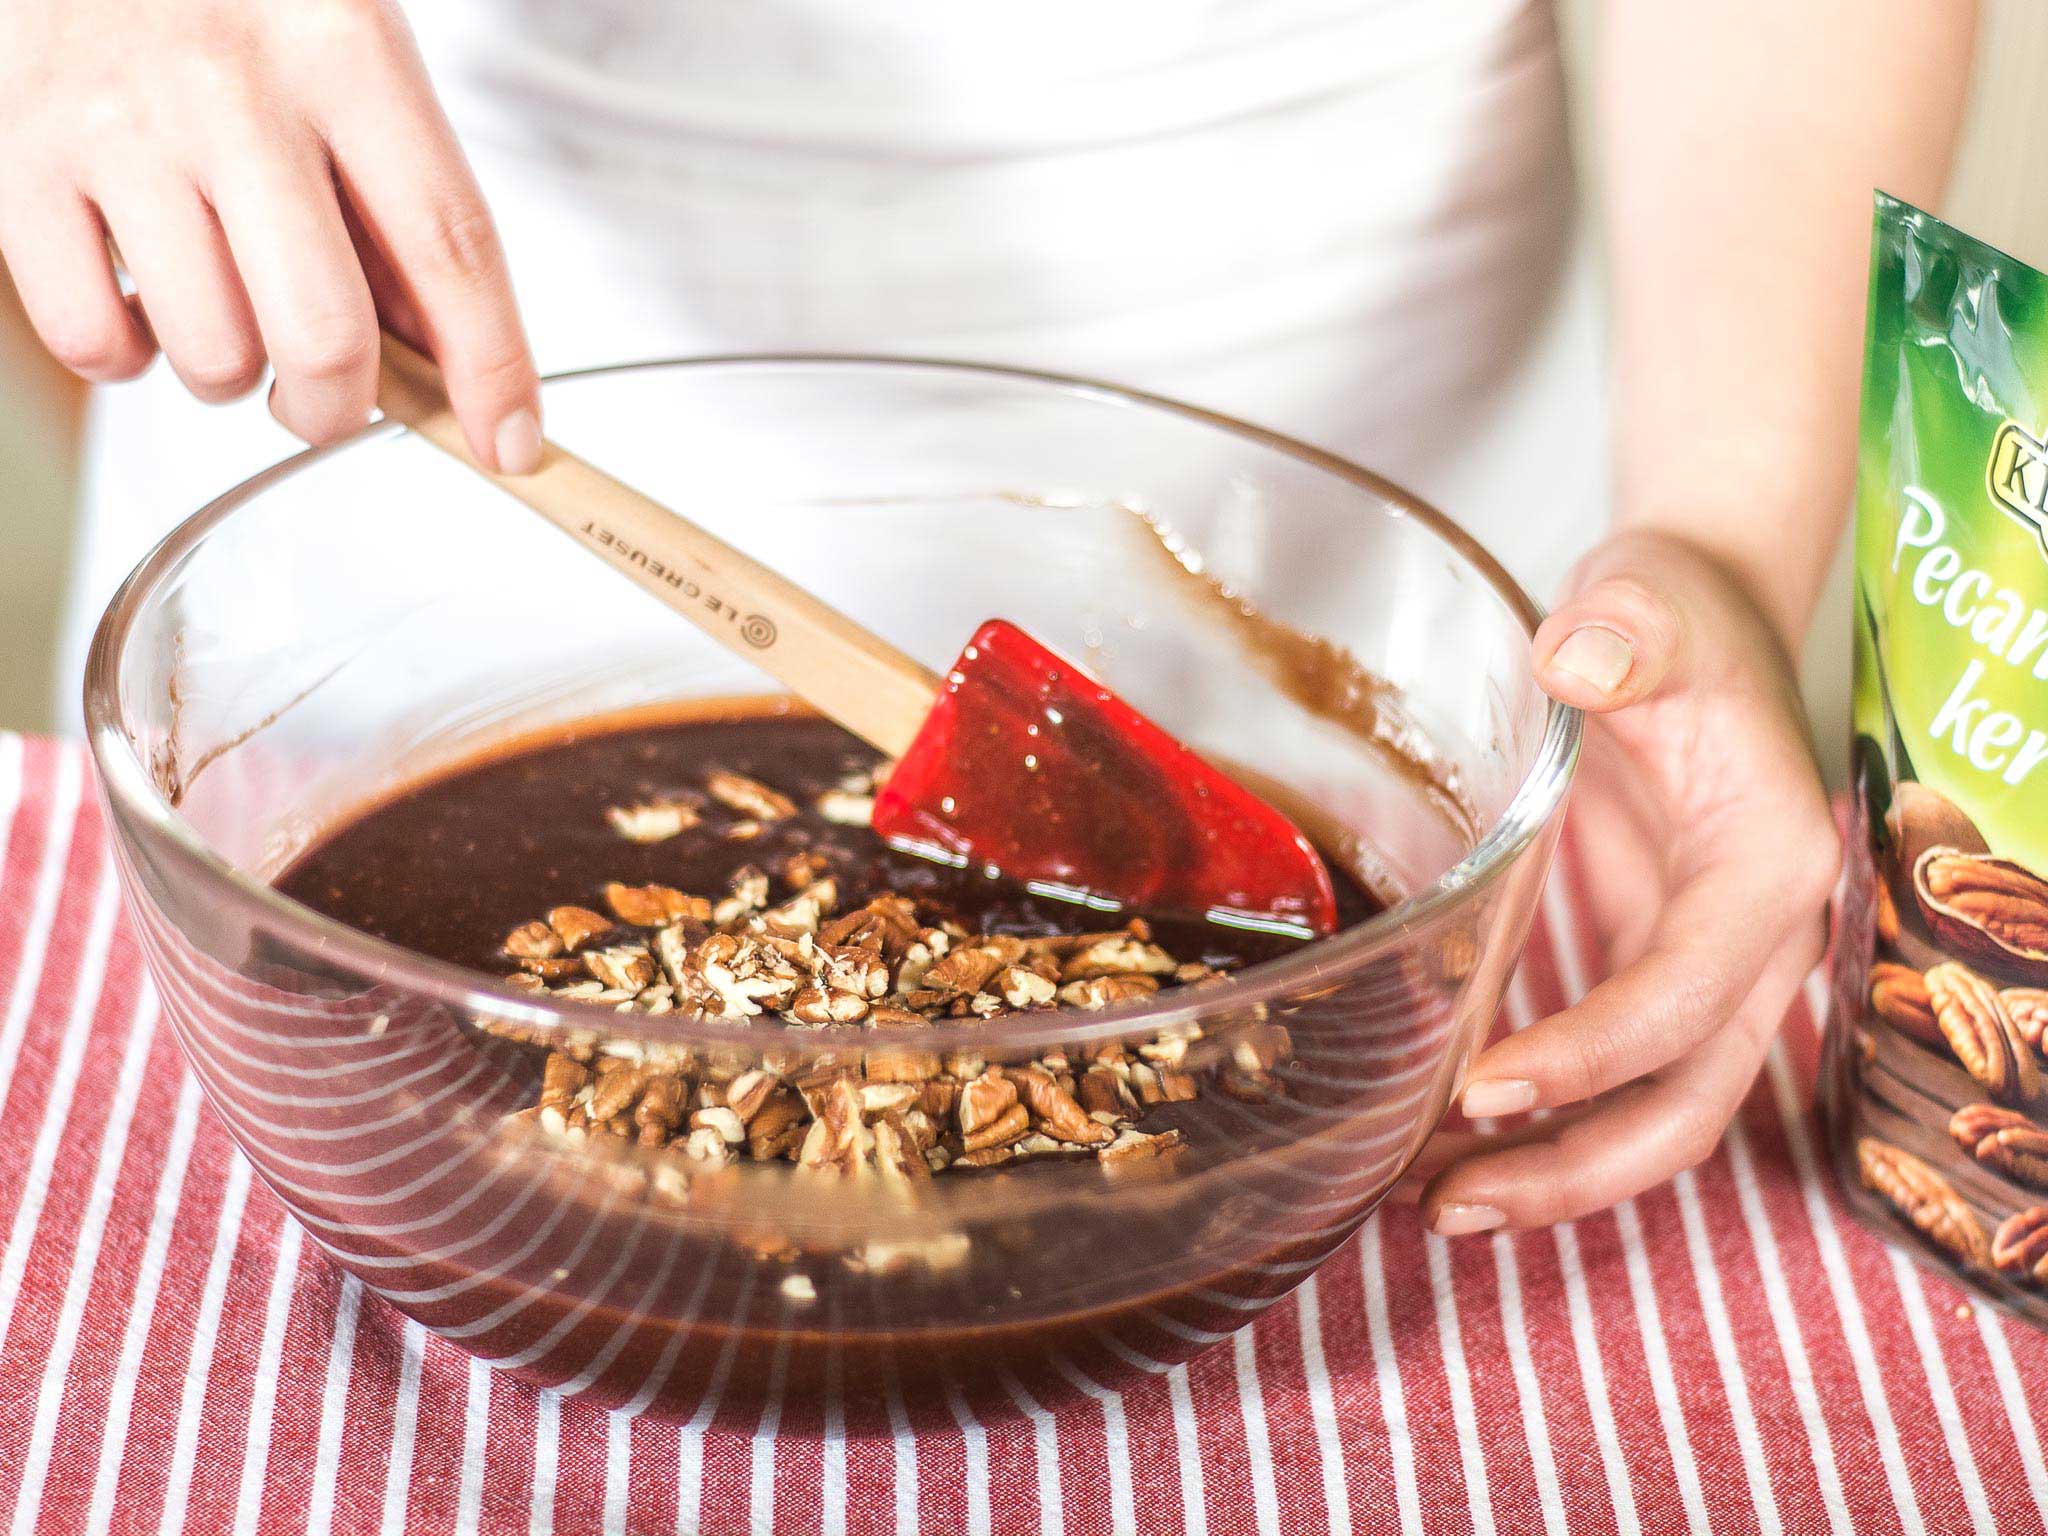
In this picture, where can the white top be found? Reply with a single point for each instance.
(1345, 219)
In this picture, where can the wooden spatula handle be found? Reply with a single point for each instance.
(821, 655)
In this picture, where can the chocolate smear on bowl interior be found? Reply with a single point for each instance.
(1317, 673)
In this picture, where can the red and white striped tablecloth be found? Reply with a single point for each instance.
(1729, 1353)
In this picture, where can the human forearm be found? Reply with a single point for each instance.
(1738, 146)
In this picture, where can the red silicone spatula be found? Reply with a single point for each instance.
(1016, 760)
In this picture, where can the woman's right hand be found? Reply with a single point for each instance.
(276, 175)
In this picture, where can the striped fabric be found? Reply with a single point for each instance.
(1727, 1353)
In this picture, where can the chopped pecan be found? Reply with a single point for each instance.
(577, 926)
(719, 1118)
(821, 1005)
(707, 1146)
(1106, 991)
(898, 1065)
(717, 949)
(660, 1110)
(985, 1100)
(946, 1251)
(847, 808)
(653, 906)
(1143, 1080)
(895, 1064)
(860, 929)
(824, 1078)
(1101, 1092)
(654, 821)
(839, 1136)
(619, 1084)
(1261, 1048)
(1248, 1087)
(937, 1097)
(849, 968)
(874, 1107)
(984, 1157)
(749, 888)
(750, 797)
(1457, 953)
(1117, 955)
(881, 1098)
(896, 1152)
(887, 925)
(561, 1080)
(999, 1132)
(777, 1126)
(1170, 1046)
(1057, 1112)
(532, 941)
(968, 967)
(626, 967)
(1021, 988)
(1133, 1145)
(729, 993)
(745, 1094)
(800, 869)
(672, 949)
(802, 913)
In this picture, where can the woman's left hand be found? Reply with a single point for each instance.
(1710, 853)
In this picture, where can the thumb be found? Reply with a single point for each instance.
(1613, 643)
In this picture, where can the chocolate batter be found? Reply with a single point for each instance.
(449, 867)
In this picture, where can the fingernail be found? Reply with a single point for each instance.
(1503, 1096)
(1596, 654)
(518, 444)
(1460, 1220)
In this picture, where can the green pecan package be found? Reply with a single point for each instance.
(1936, 1088)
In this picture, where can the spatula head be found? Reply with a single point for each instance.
(1029, 767)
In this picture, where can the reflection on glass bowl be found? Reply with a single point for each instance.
(365, 614)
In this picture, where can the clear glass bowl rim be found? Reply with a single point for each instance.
(128, 783)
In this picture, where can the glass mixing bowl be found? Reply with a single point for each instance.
(363, 615)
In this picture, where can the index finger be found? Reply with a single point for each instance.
(415, 199)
